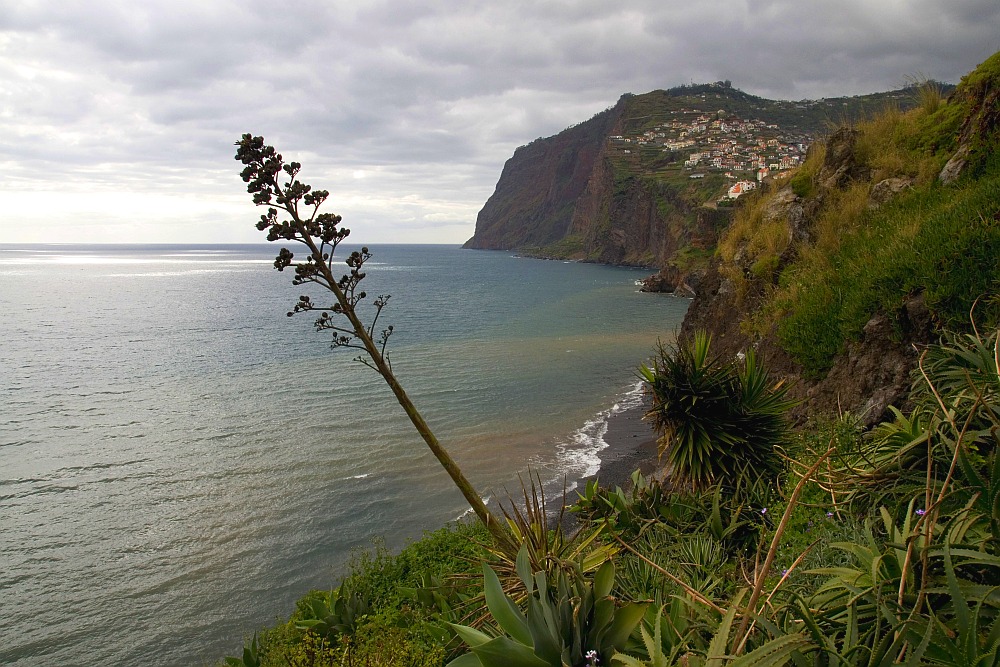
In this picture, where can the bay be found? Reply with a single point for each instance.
(179, 461)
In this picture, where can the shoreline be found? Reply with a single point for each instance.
(631, 446)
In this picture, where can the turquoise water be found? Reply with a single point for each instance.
(179, 461)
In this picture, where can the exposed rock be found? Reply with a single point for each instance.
(785, 205)
(839, 165)
(870, 374)
(885, 190)
(978, 137)
(672, 280)
(955, 166)
(664, 281)
(875, 372)
(779, 203)
(692, 281)
(716, 309)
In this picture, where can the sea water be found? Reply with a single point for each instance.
(180, 461)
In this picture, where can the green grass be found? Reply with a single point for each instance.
(398, 630)
(944, 242)
(941, 241)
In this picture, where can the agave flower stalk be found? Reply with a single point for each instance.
(321, 233)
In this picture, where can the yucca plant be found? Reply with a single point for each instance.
(720, 419)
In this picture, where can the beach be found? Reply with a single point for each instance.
(631, 446)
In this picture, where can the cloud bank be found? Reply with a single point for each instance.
(117, 119)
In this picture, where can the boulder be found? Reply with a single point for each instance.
(885, 190)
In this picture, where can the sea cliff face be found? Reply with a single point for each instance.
(568, 196)
(534, 201)
(641, 182)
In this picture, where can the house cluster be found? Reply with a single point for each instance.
(744, 150)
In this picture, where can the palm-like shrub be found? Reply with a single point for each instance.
(720, 419)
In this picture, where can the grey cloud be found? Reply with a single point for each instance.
(430, 97)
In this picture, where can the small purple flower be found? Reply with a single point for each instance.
(763, 510)
(921, 512)
(829, 514)
(592, 659)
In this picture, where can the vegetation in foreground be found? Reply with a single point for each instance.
(828, 547)
(876, 548)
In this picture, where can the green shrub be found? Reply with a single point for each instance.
(943, 242)
(377, 611)
(720, 420)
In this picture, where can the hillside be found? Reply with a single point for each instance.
(887, 234)
(640, 183)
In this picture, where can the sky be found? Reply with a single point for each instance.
(118, 119)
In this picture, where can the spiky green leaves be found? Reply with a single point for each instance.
(567, 617)
(720, 419)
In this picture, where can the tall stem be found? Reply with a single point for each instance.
(381, 365)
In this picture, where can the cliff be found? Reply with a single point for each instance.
(621, 188)
(534, 201)
(842, 274)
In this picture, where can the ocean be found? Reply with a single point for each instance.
(180, 461)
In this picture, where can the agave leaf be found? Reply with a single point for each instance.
(774, 653)
(915, 657)
(653, 647)
(466, 660)
(971, 556)
(470, 636)
(523, 566)
(546, 642)
(717, 648)
(625, 621)
(629, 661)
(966, 626)
(604, 614)
(595, 557)
(604, 580)
(505, 652)
(503, 609)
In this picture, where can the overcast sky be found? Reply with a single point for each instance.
(117, 119)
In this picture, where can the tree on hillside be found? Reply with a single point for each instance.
(275, 184)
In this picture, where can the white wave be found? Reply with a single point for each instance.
(580, 455)
(470, 511)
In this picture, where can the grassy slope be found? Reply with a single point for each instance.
(941, 240)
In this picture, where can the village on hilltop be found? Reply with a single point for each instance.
(745, 151)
